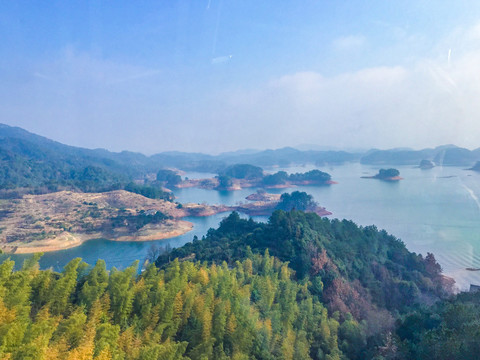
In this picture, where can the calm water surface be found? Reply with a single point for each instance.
(435, 210)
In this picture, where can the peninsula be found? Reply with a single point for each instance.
(65, 219)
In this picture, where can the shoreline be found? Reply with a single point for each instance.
(239, 184)
(67, 240)
(393, 178)
(38, 222)
(166, 230)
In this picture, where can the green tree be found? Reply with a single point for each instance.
(297, 200)
(171, 178)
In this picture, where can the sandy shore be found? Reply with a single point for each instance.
(67, 240)
(63, 220)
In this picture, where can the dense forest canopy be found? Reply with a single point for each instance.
(224, 182)
(312, 175)
(298, 287)
(19, 175)
(278, 178)
(152, 191)
(372, 262)
(256, 175)
(168, 177)
(297, 200)
(252, 310)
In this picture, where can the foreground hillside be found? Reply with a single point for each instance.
(344, 292)
(354, 266)
(254, 310)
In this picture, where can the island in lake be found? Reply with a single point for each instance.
(265, 203)
(240, 176)
(386, 175)
(475, 167)
(426, 164)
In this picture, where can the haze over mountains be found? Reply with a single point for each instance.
(22, 151)
(32, 161)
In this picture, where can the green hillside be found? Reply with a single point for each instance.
(33, 164)
(299, 287)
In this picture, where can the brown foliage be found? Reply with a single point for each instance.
(348, 297)
(320, 260)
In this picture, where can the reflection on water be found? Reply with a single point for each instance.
(433, 210)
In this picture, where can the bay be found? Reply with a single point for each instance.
(436, 210)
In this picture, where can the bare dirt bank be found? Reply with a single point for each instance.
(67, 240)
(62, 220)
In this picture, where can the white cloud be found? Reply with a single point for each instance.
(428, 103)
(86, 100)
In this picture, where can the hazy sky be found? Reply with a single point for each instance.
(219, 75)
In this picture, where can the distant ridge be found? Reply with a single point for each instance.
(445, 155)
(28, 160)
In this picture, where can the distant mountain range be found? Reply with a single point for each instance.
(446, 155)
(30, 160)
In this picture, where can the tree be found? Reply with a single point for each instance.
(64, 287)
(387, 173)
(243, 171)
(297, 200)
(278, 178)
(95, 284)
(121, 290)
(224, 182)
(171, 178)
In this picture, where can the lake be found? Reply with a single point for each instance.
(436, 210)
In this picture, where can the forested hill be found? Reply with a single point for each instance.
(34, 164)
(397, 304)
(354, 269)
(32, 161)
(343, 292)
(40, 164)
(29, 160)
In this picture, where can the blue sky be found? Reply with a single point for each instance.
(219, 75)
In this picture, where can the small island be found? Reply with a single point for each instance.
(475, 167)
(240, 176)
(262, 195)
(426, 164)
(386, 175)
(472, 269)
(265, 203)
